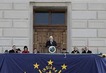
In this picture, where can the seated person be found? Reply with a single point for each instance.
(64, 50)
(35, 51)
(25, 50)
(83, 50)
(18, 50)
(86, 50)
(75, 51)
(13, 49)
(6, 51)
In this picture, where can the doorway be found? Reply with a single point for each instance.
(49, 22)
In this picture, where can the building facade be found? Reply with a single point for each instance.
(85, 21)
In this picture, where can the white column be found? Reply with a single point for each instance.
(69, 23)
(31, 28)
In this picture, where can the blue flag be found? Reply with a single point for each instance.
(52, 63)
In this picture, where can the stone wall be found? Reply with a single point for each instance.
(89, 26)
(14, 25)
(88, 23)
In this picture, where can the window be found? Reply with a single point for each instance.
(41, 18)
(49, 18)
(57, 18)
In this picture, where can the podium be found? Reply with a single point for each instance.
(44, 49)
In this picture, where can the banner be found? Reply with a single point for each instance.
(52, 63)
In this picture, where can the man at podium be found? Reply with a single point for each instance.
(51, 42)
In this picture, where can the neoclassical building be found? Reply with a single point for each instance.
(71, 22)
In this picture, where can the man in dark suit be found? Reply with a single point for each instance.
(14, 50)
(51, 42)
(75, 51)
(64, 51)
(86, 50)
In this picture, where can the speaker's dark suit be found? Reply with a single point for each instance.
(48, 43)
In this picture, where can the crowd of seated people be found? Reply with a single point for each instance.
(25, 50)
(75, 50)
(83, 50)
(18, 50)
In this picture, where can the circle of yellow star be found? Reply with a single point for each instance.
(36, 65)
(50, 71)
(64, 66)
(50, 62)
